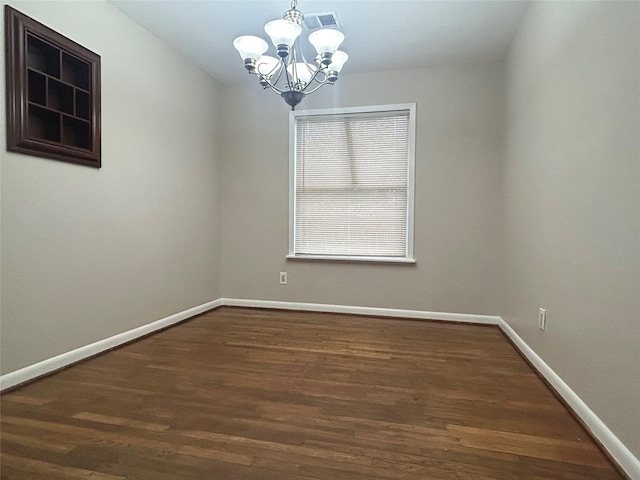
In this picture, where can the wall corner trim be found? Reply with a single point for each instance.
(49, 365)
(618, 451)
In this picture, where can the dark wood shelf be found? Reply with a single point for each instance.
(37, 87)
(43, 56)
(76, 132)
(60, 97)
(75, 71)
(83, 106)
(60, 112)
(43, 124)
(53, 93)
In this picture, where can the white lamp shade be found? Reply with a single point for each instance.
(282, 32)
(326, 40)
(266, 65)
(250, 47)
(337, 61)
(302, 72)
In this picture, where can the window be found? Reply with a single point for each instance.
(351, 184)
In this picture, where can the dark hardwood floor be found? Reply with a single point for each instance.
(258, 394)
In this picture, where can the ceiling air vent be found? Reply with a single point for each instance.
(314, 21)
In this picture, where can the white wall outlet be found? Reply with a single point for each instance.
(542, 319)
(283, 278)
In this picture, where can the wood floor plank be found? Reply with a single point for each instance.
(269, 395)
(124, 440)
(96, 417)
(27, 441)
(50, 470)
(28, 400)
(293, 450)
(582, 453)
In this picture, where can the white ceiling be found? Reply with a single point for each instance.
(380, 34)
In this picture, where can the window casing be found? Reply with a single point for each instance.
(351, 184)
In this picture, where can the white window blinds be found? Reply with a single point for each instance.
(352, 185)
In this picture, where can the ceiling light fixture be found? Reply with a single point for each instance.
(290, 75)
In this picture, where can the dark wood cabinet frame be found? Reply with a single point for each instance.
(53, 93)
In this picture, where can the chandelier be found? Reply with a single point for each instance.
(290, 75)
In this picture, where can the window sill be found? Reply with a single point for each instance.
(352, 259)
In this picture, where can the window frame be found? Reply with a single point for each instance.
(409, 257)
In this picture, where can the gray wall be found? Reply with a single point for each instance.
(572, 200)
(457, 208)
(90, 253)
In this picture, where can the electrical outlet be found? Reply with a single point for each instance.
(542, 319)
(283, 278)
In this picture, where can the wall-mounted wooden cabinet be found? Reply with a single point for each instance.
(53, 93)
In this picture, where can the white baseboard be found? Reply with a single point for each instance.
(36, 370)
(372, 311)
(620, 453)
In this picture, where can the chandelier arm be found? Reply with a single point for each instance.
(267, 82)
(322, 71)
(273, 88)
(281, 67)
(290, 85)
(293, 62)
(316, 87)
(268, 74)
(322, 82)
